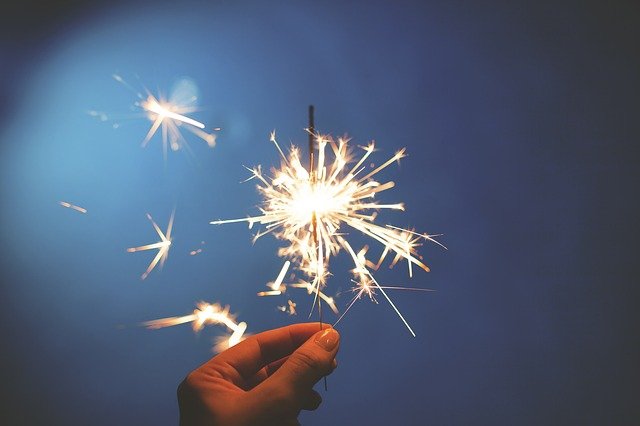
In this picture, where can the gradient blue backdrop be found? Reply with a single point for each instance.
(519, 123)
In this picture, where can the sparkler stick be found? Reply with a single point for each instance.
(206, 314)
(314, 219)
(163, 245)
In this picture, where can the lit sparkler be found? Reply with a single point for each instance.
(207, 314)
(303, 206)
(163, 245)
(73, 207)
(168, 116)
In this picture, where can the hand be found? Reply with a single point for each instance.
(266, 379)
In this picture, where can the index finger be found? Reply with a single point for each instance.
(255, 352)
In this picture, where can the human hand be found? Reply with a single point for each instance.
(266, 379)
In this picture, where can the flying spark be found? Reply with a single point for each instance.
(207, 314)
(163, 245)
(303, 206)
(168, 116)
(290, 308)
(197, 251)
(278, 287)
(73, 207)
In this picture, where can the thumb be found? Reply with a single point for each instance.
(310, 362)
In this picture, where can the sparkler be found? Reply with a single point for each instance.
(207, 314)
(73, 207)
(303, 206)
(163, 245)
(168, 115)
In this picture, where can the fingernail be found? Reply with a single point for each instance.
(328, 339)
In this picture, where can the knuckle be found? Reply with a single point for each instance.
(188, 384)
(282, 396)
(191, 380)
(307, 360)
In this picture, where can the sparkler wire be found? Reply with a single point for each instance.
(314, 220)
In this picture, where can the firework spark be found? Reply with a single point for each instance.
(197, 251)
(73, 207)
(163, 245)
(290, 308)
(278, 287)
(301, 206)
(207, 314)
(168, 116)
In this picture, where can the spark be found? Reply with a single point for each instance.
(312, 290)
(326, 202)
(73, 207)
(278, 287)
(163, 245)
(168, 116)
(290, 308)
(198, 250)
(207, 314)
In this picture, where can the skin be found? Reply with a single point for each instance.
(266, 379)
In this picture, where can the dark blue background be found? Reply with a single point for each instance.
(521, 123)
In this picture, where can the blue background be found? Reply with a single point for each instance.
(521, 123)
